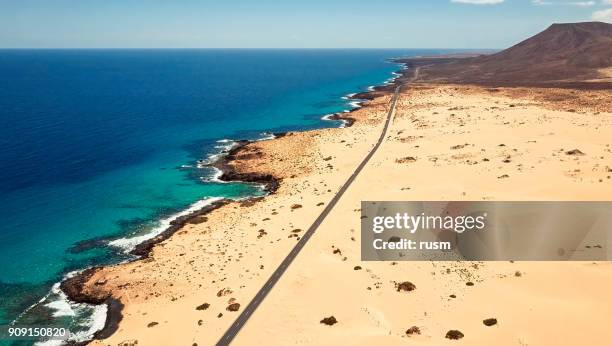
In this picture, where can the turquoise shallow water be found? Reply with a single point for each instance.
(103, 144)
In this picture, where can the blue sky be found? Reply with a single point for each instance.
(284, 24)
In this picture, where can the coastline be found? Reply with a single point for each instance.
(75, 286)
(189, 281)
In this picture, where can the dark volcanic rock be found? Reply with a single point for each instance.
(414, 330)
(490, 322)
(233, 307)
(203, 306)
(145, 247)
(330, 321)
(405, 286)
(454, 335)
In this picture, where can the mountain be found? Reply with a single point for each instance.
(573, 52)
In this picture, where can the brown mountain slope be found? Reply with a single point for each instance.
(575, 52)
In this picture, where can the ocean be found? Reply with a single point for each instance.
(100, 148)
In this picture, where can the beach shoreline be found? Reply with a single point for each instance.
(304, 170)
(75, 286)
(288, 165)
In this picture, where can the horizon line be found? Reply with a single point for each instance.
(239, 48)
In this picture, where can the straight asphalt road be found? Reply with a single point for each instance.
(233, 330)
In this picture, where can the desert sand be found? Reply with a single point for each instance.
(447, 142)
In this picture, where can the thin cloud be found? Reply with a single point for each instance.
(478, 2)
(603, 15)
(565, 3)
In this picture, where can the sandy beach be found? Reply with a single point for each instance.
(447, 142)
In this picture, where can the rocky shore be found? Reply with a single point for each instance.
(237, 165)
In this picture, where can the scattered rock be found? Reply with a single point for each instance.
(405, 286)
(469, 283)
(414, 330)
(406, 159)
(518, 274)
(574, 152)
(132, 342)
(458, 146)
(233, 307)
(152, 324)
(504, 176)
(357, 268)
(224, 292)
(454, 335)
(330, 321)
(203, 306)
(490, 322)
(296, 206)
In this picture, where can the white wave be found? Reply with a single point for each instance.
(96, 322)
(328, 117)
(355, 104)
(128, 244)
(371, 88)
(62, 306)
(343, 122)
(266, 136)
(215, 178)
(348, 96)
(225, 146)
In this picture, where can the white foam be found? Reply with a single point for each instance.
(215, 178)
(355, 104)
(128, 244)
(343, 122)
(266, 136)
(96, 322)
(62, 306)
(225, 146)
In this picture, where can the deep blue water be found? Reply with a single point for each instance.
(92, 142)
